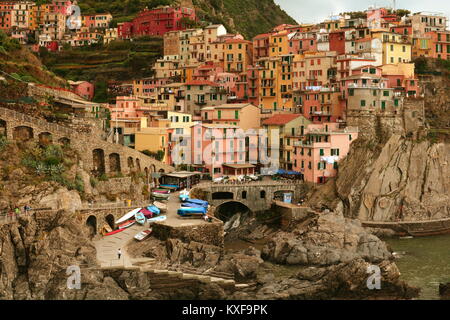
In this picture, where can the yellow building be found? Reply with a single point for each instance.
(282, 131)
(278, 44)
(313, 69)
(238, 55)
(396, 47)
(404, 69)
(275, 86)
(154, 139)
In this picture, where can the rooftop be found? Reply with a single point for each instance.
(281, 119)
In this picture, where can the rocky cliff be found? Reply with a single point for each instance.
(403, 180)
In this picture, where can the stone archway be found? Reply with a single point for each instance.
(138, 165)
(23, 133)
(98, 161)
(64, 141)
(114, 163)
(227, 210)
(130, 163)
(45, 138)
(110, 220)
(91, 222)
(3, 127)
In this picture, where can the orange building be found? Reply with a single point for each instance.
(238, 55)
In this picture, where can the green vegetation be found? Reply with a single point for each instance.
(50, 163)
(159, 155)
(7, 44)
(250, 17)
(3, 143)
(119, 60)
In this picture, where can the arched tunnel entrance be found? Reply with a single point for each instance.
(110, 220)
(227, 210)
(91, 222)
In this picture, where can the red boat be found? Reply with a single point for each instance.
(113, 232)
(127, 224)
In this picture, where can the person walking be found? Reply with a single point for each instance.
(119, 253)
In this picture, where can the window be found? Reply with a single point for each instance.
(363, 103)
(383, 105)
(386, 93)
(219, 114)
(351, 92)
(396, 102)
(262, 194)
(322, 152)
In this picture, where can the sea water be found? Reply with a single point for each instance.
(423, 262)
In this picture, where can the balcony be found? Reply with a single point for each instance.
(200, 103)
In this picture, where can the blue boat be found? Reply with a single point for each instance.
(199, 202)
(191, 205)
(183, 197)
(169, 186)
(154, 209)
(185, 211)
(140, 218)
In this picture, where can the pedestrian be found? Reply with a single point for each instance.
(119, 253)
(17, 211)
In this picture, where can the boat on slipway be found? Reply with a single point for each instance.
(128, 215)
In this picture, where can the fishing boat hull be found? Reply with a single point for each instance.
(185, 211)
(154, 209)
(198, 202)
(161, 206)
(127, 224)
(114, 232)
(128, 215)
(140, 218)
(160, 196)
(157, 219)
(143, 235)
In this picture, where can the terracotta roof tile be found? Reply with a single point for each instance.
(280, 119)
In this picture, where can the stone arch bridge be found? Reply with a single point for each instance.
(257, 196)
(98, 156)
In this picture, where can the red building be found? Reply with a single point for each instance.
(5, 15)
(261, 46)
(156, 22)
(337, 41)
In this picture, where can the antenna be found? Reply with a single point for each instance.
(394, 4)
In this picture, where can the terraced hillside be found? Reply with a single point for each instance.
(120, 60)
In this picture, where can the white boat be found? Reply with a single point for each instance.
(143, 234)
(128, 215)
(159, 218)
(161, 206)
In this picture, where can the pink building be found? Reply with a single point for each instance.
(83, 89)
(227, 82)
(219, 150)
(126, 107)
(207, 72)
(303, 41)
(61, 6)
(317, 157)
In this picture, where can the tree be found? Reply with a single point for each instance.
(402, 12)
(101, 91)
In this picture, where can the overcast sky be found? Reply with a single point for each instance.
(305, 11)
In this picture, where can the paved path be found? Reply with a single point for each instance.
(107, 247)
